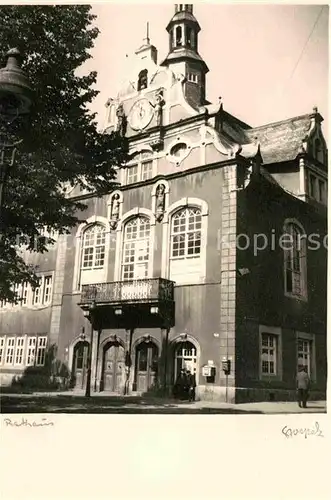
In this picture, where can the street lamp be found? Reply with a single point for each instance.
(16, 97)
(89, 313)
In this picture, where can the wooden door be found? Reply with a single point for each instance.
(114, 368)
(80, 364)
(146, 365)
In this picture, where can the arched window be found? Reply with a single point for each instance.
(295, 261)
(185, 358)
(136, 248)
(185, 244)
(188, 36)
(93, 247)
(179, 36)
(143, 79)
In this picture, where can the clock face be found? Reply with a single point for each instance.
(141, 114)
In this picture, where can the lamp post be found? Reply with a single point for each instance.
(90, 315)
(16, 97)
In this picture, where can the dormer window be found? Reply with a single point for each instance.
(143, 79)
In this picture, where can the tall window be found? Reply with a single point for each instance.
(94, 241)
(47, 289)
(186, 234)
(41, 351)
(304, 349)
(136, 248)
(185, 245)
(269, 354)
(10, 347)
(31, 351)
(295, 262)
(19, 351)
(2, 348)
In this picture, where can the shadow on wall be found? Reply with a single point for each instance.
(53, 376)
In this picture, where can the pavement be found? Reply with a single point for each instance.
(73, 402)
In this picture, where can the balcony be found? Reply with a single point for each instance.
(117, 292)
(145, 302)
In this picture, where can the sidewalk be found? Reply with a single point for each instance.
(107, 403)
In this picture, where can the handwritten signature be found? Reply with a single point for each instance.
(305, 431)
(24, 422)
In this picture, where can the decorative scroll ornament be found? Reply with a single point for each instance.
(160, 202)
(115, 211)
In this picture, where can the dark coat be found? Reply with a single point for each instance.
(303, 380)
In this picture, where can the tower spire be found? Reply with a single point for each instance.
(183, 56)
(147, 39)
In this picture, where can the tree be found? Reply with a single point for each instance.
(61, 144)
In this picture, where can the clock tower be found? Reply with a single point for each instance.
(183, 56)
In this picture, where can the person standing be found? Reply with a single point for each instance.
(303, 383)
(191, 385)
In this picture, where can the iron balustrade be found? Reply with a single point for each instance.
(139, 290)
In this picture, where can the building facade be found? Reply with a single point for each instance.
(211, 254)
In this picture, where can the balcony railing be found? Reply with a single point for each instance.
(141, 290)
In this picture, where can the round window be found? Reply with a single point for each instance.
(178, 150)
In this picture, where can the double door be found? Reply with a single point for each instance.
(146, 365)
(114, 368)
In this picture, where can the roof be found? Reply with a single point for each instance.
(280, 141)
(184, 53)
(183, 15)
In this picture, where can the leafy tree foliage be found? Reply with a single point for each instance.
(61, 144)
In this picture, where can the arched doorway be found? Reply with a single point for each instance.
(146, 366)
(185, 357)
(80, 364)
(113, 373)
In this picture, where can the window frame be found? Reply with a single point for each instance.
(2, 348)
(316, 180)
(41, 339)
(193, 78)
(311, 338)
(78, 269)
(31, 350)
(94, 247)
(136, 241)
(138, 163)
(166, 223)
(19, 351)
(186, 233)
(8, 339)
(276, 333)
(288, 256)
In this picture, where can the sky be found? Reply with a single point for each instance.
(264, 60)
